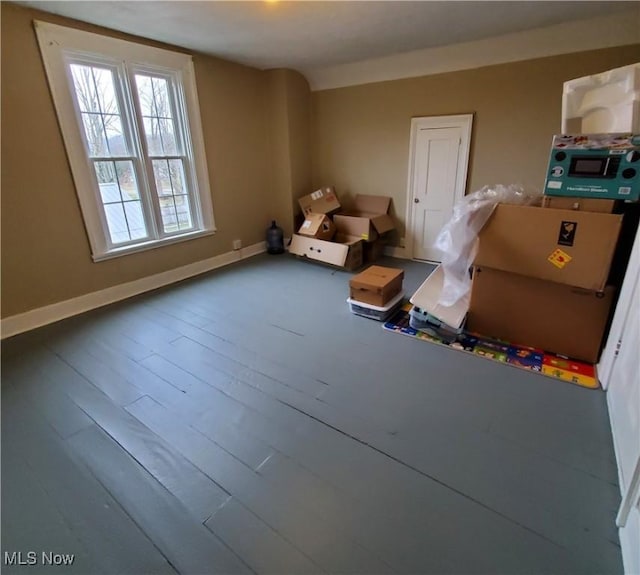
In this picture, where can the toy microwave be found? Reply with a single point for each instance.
(595, 166)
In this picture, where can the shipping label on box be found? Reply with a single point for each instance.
(569, 247)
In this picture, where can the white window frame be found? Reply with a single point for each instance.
(58, 46)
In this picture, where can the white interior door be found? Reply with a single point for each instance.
(437, 176)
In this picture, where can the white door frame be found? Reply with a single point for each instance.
(462, 121)
(621, 315)
(630, 486)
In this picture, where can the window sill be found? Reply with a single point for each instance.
(151, 245)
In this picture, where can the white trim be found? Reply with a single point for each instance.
(152, 245)
(60, 45)
(621, 315)
(462, 121)
(617, 29)
(32, 319)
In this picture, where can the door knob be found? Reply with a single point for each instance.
(416, 201)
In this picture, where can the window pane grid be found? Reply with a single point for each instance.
(175, 205)
(158, 116)
(95, 90)
(121, 200)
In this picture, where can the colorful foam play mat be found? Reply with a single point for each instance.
(536, 360)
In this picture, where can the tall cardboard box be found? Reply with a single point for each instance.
(565, 246)
(376, 285)
(368, 218)
(551, 316)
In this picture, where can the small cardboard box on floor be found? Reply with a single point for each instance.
(551, 316)
(376, 285)
(564, 246)
(317, 226)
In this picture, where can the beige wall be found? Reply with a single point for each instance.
(265, 134)
(361, 133)
(290, 105)
(45, 251)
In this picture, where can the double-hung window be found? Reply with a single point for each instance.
(130, 120)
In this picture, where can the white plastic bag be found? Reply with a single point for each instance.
(457, 239)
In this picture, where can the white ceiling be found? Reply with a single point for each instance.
(311, 35)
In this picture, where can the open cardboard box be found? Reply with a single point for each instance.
(368, 218)
(345, 252)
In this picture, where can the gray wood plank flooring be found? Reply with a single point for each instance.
(245, 421)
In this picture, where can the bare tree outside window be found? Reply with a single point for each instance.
(165, 151)
(108, 148)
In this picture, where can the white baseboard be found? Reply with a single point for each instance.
(32, 319)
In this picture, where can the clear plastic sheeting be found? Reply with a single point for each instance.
(457, 241)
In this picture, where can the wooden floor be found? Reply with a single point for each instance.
(245, 422)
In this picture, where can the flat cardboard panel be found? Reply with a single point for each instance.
(355, 226)
(565, 246)
(317, 226)
(581, 204)
(376, 285)
(428, 294)
(536, 313)
(346, 252)
(322, 201)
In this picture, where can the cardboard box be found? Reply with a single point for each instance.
(318, 226)
(376, 285)
(368, 219)
(565, 246)
(373, 251)
(345, 252)
(322, 201)
(546, 315)
(581, 204)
